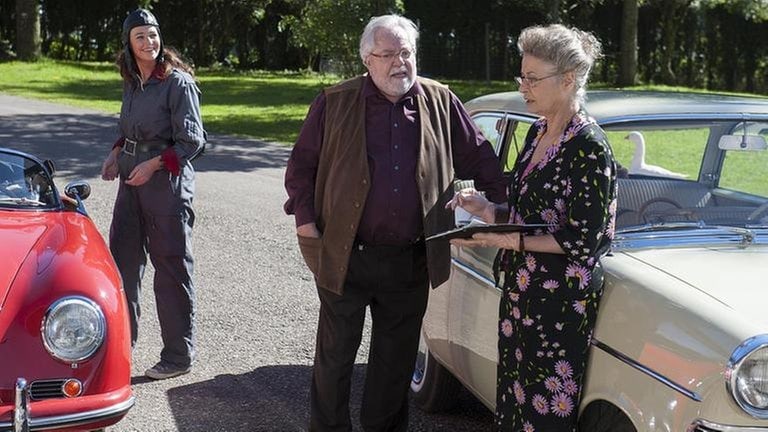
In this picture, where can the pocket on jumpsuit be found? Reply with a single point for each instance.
(310, 250)
(170, 217)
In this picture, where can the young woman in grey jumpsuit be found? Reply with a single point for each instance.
(160, 133)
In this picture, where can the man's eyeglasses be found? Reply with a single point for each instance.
(532, 82)
(403, 54)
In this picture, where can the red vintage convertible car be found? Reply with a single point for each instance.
(65, 355)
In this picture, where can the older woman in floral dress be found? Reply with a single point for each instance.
(565, 177)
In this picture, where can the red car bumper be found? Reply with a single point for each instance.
(66, 414)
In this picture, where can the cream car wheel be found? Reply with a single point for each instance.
(433, 387)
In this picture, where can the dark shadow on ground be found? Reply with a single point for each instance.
(78, 144)
(276, 399)
(140, 379)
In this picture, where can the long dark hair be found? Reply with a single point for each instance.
(168, 59)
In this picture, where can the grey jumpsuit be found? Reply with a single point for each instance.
(157, 217)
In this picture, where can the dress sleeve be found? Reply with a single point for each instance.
(302, 165)
(473, 156)
(589, 197)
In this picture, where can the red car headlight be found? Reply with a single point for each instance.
(73, 329)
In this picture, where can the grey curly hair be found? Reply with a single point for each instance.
(568, 49)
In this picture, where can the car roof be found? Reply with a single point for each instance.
(611, 106)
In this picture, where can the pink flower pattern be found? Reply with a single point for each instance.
(579, 272)
(561, 405)
(553, 384)
(570, 387)
(506, 328)
(580, 307)
(530, 262)
(540, 404)
(548, 309)
(564, 369)
(550, 285)
(523, 279)
(519, 393)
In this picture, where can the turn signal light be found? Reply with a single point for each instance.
(72, 388)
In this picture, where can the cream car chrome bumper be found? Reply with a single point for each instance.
(705, 426)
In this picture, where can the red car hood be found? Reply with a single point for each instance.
(19, 232)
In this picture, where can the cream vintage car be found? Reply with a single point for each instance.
(681, 342)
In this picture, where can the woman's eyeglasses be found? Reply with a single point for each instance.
(403, 54)
(532, 82)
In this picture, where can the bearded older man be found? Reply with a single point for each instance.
(367, 181)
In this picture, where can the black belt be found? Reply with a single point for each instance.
(131, 147)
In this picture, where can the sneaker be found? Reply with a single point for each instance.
(164, 370)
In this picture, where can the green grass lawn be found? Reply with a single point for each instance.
(266, 105)
(271, 106)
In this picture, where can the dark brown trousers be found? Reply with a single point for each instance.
(393, 282)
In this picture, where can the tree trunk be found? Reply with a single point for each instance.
(673, 15)
(28, 30)
(200, 42)
(553, 11)
(628, 50)
(505, 74)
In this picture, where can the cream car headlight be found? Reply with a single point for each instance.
(747, 376)
(73, 329)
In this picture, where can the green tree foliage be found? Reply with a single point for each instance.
(211, 31)
(455, 41)
(330, 30)
(750, 10)
(711, 44)
(84, 29)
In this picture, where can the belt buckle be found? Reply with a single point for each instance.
(129, 147)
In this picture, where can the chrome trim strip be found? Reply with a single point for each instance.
(688, 117)
(646, 370)
(473, 273)
(76, 419)
(21, 406)
(725, 428)
(701, 237)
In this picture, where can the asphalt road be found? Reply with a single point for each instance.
(257, 305)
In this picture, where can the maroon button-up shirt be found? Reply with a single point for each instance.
(392, 213)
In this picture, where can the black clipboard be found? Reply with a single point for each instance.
(473, 227)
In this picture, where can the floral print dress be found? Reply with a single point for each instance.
(549, 303)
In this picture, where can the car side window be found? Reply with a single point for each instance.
(492, 127)
(745, 171)
(506, 133)
(517, 131)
